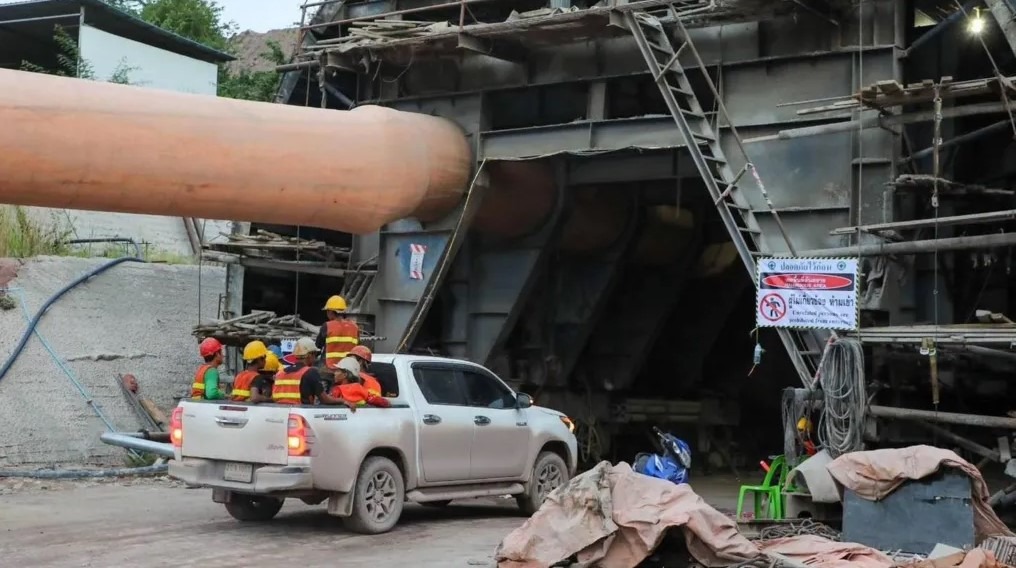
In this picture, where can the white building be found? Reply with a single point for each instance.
(112, 43)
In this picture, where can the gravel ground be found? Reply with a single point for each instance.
(158, 523)
(133, 319)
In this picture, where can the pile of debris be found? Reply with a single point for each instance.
(257, 325)
(268, 245)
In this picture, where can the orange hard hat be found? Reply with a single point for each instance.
(209, 347)
(361, 352)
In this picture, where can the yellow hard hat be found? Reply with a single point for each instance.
(335, 304)
(254, 350)
(803, 425)
(271, 363)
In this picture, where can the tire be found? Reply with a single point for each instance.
(549, 473)
(248, 508)
(437, 504)
(378, 497)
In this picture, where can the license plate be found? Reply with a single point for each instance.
(242, 472)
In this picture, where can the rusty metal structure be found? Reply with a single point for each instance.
(591, 230)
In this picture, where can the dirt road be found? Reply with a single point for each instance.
(162, 524)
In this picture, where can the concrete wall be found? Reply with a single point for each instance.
(149, 67)
(132, 319)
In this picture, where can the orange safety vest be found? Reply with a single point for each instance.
(241, 385)
(371, 384)
(198, 388)
(351, 392)
(287, 387)
(340, 337)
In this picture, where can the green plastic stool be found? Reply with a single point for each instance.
(773, 492)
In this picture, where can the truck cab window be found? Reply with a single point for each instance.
(439, 386)
(486, 392)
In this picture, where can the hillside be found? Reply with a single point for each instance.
(249, 48)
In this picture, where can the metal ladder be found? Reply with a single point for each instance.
(703, 143)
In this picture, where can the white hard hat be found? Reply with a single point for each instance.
(304, 346)
(350, 364)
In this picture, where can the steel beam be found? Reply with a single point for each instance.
(1003, 14)
(1000, 422)
(646, 133)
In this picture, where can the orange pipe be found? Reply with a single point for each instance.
(597, 220)
(78, 144)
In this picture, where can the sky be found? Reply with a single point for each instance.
(257, 15)
(262, 15)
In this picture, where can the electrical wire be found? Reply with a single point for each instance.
(841, 427)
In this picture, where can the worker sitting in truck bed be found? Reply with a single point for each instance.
(261, 388)
(350, 385)
(254, 354)
(301, 383)
(363, 356)
(338, 335)
(206, 379)
(347, 383)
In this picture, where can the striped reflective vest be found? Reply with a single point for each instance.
(241, 385)
(371, 384)
(198, 388)
(287, 386)
(351, 392)
(340, 337)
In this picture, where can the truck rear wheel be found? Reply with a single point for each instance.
(251, 508)
(378, 497)
(549, 473)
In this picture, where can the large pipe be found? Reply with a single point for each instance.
(139, 444)
(597, 220)
(664, 237)
(77, 144)
(519, 200)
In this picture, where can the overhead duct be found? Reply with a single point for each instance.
(519, 200)
(78, 144)
(597, 220)
(665, 235)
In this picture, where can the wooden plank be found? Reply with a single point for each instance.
(890, 87)
(155, 412)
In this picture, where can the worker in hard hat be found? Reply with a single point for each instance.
(348, 385)
(804, 428)
(363, 356)
(254, 355)
(338, 335)
(301, 383)
(206, 379)
(261, 388)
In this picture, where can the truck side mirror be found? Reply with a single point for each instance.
(523, 401)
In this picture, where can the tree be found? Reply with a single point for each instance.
(198, 20)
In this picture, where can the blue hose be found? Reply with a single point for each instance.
(85, 473)
(52, 299)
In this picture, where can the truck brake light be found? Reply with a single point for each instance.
(176, 427)
(297, 436)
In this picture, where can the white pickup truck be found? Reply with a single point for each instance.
(453, 431)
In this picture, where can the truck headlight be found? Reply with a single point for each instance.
(568, 422)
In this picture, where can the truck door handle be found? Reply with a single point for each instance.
(231, 422)
(481, 420)
(431, 419)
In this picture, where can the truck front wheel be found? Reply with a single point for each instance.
(549, 473)
(251, 508)
(377, 497)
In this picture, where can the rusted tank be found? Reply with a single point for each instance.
(519, 200)
(79, 144)
(597, 220)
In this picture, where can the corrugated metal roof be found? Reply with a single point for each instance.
(109, 19)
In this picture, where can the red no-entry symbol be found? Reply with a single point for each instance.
(772, 307)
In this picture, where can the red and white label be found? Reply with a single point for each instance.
(416, 254)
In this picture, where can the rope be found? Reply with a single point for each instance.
(841, 426)
(805, 527)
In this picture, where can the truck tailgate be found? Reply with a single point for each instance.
(253, 434)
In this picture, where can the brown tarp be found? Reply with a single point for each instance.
(824, 553)
(975, 558)
(877, 473)
(612, 517)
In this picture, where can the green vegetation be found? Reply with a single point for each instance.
(69, 62)
(143, 459)
(21, 236)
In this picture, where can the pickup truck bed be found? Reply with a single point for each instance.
(453, 431)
